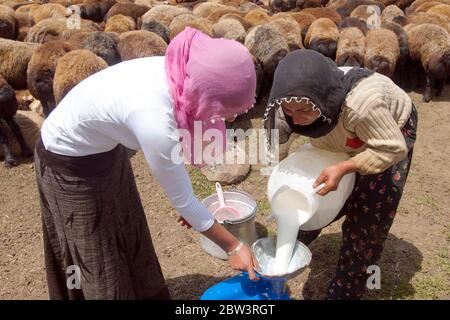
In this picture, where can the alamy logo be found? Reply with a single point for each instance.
(74, 18)
(74, 278)
(374, 280)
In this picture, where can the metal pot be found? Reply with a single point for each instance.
(242, 228)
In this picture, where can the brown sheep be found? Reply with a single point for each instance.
(50, 10)
(201, 24)
(351, 48)
(303, 4)
(9, 26)
(430, 44)
(351, 22)
(257, 17)
(163, 14)
(206, 8)
(403, 59)
(282, 5)
(390, 12)
(158, 28)
(426, 6)
(370, 14)
(104, 45)
(382, 51)
(24, 19)
(216, 15)
(268, 46)
(95, 10)
(325, 13)
(74, 67)
(417, 3)
(120, 23)
(127, 9)
(29, 8)
(304, 19)
(8, 108)
(14, 57)
(41, 70)
(291, 32)
(246, 24)
(139, 44)
(53, 29)
(424, 17)
(230, 29)
(29, 123)
(322, 37)
(442, 9)
(345, 7)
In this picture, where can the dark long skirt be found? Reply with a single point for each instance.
(96, 239)
(369, 213)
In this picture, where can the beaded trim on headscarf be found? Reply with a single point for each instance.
(222, 118)
(298, 100)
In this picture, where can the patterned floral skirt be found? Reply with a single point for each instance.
(369, 213)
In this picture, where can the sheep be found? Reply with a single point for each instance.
(163, 14)
(425, 17)
(382, 51)
(24, 19)
(230, 29)
(282, 5)
(345, 7)
(216, 15)
(390, 12)
(303, 4)
(9, 26)
(430, 44)
(206, 8)
(74, 67)
(41, 70)
(322, 37)
(103, 45)
(127, 9)
(442, 9)
(268, 46)
(158, 28)
(29, 124)
(120, 23)
(324, 13)
(351, 48)
(257, 17)
(246, 7)
(28, 8)
(246, 24)
(139, 44)
(202, 24)
(417, 3)
(304, 19)
(14, 57)
(370, 14)
(49, 10)
(291, 32)
(8, 108)
(351, 22)
(95, 10)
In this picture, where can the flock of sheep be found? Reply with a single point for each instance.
(47, 47)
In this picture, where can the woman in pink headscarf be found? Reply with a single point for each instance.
(96, 240)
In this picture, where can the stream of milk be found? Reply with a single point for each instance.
(291, 210)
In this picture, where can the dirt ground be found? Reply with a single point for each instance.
(415, 263)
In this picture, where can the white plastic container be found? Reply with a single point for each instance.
(291, 185)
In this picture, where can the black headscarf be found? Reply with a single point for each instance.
(308, 74)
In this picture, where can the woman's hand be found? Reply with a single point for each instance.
(184, 223)
(332, 175)
(244, 260)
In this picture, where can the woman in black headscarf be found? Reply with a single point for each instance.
(365, 115)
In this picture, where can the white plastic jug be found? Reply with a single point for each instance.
(290, 186)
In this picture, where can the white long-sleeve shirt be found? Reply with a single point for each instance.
(129, 104)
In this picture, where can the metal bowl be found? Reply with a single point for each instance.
(265, 250)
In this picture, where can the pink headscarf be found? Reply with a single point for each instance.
(208, 79)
